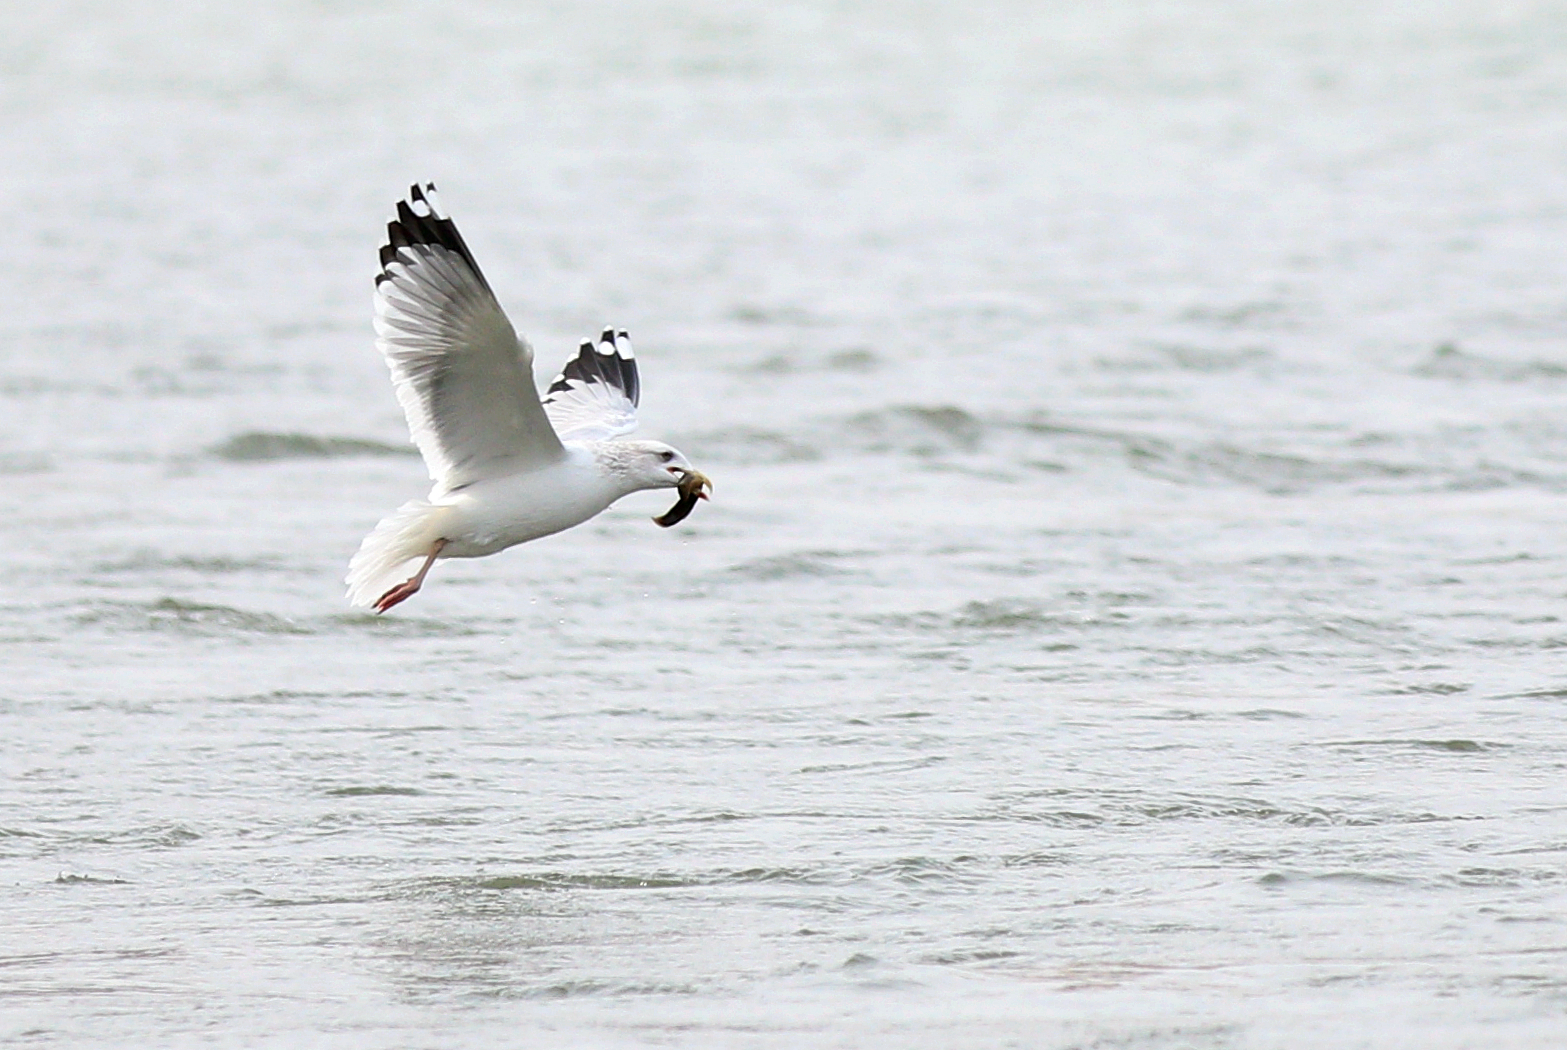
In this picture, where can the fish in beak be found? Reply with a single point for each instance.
(693, 486)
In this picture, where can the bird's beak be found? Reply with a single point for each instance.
(695, 483)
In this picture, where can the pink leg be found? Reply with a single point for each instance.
(409, 587)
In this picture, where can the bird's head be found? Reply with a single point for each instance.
(655, 465)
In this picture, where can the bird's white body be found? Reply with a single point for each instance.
(489, 516)
(507, 468)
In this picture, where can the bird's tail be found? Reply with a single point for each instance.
(388, 555)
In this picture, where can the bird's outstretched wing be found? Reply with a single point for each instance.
(595, 396)
(464, 379)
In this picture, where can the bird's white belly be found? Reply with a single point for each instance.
(492, 515)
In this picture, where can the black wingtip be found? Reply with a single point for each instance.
(600, 364)
(412, 228)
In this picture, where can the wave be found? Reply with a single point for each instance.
(1016, 447)
(747, 446)
(185, 617)
(257, 446)
(789, 566)
(1448, 361)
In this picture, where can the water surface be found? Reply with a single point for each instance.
(1131, 614)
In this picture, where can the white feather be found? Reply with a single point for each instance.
(586, 407)
(390, 553)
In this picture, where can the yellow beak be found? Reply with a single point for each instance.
(694, 484)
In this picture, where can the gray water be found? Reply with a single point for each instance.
(1131, 615)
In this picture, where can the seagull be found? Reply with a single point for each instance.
(507, 468)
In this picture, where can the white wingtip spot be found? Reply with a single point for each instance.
(434, 201)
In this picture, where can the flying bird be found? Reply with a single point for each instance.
(507, 467)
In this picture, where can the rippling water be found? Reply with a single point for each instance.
(1132, 612)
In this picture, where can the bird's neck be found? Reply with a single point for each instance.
(617, 462)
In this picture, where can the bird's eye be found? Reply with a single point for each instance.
(666, 456)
